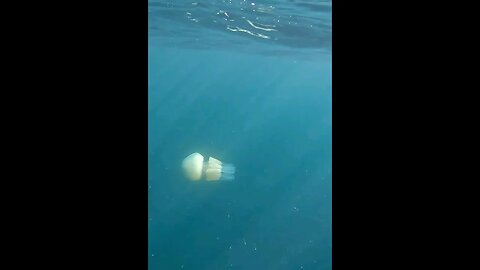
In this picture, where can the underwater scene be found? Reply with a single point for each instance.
(239, 134)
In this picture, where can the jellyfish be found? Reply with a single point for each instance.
(195, 168)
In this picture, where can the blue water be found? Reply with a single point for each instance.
(262, 104)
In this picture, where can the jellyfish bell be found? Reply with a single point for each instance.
(195, 169)
(193, 166)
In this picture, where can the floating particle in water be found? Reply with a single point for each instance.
(228, 215)
(218, 238)
(253, 4)
(244, 242)
(153, 255)
(230, 247)
(295, 209)
(181, 266)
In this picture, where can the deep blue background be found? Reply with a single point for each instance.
(269, 115)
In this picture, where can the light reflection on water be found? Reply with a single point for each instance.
(280, 26)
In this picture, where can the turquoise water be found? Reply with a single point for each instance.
(262, 104)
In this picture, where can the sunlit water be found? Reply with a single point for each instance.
(250, 84)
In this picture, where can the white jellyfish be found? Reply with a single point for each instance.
(195, 168)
